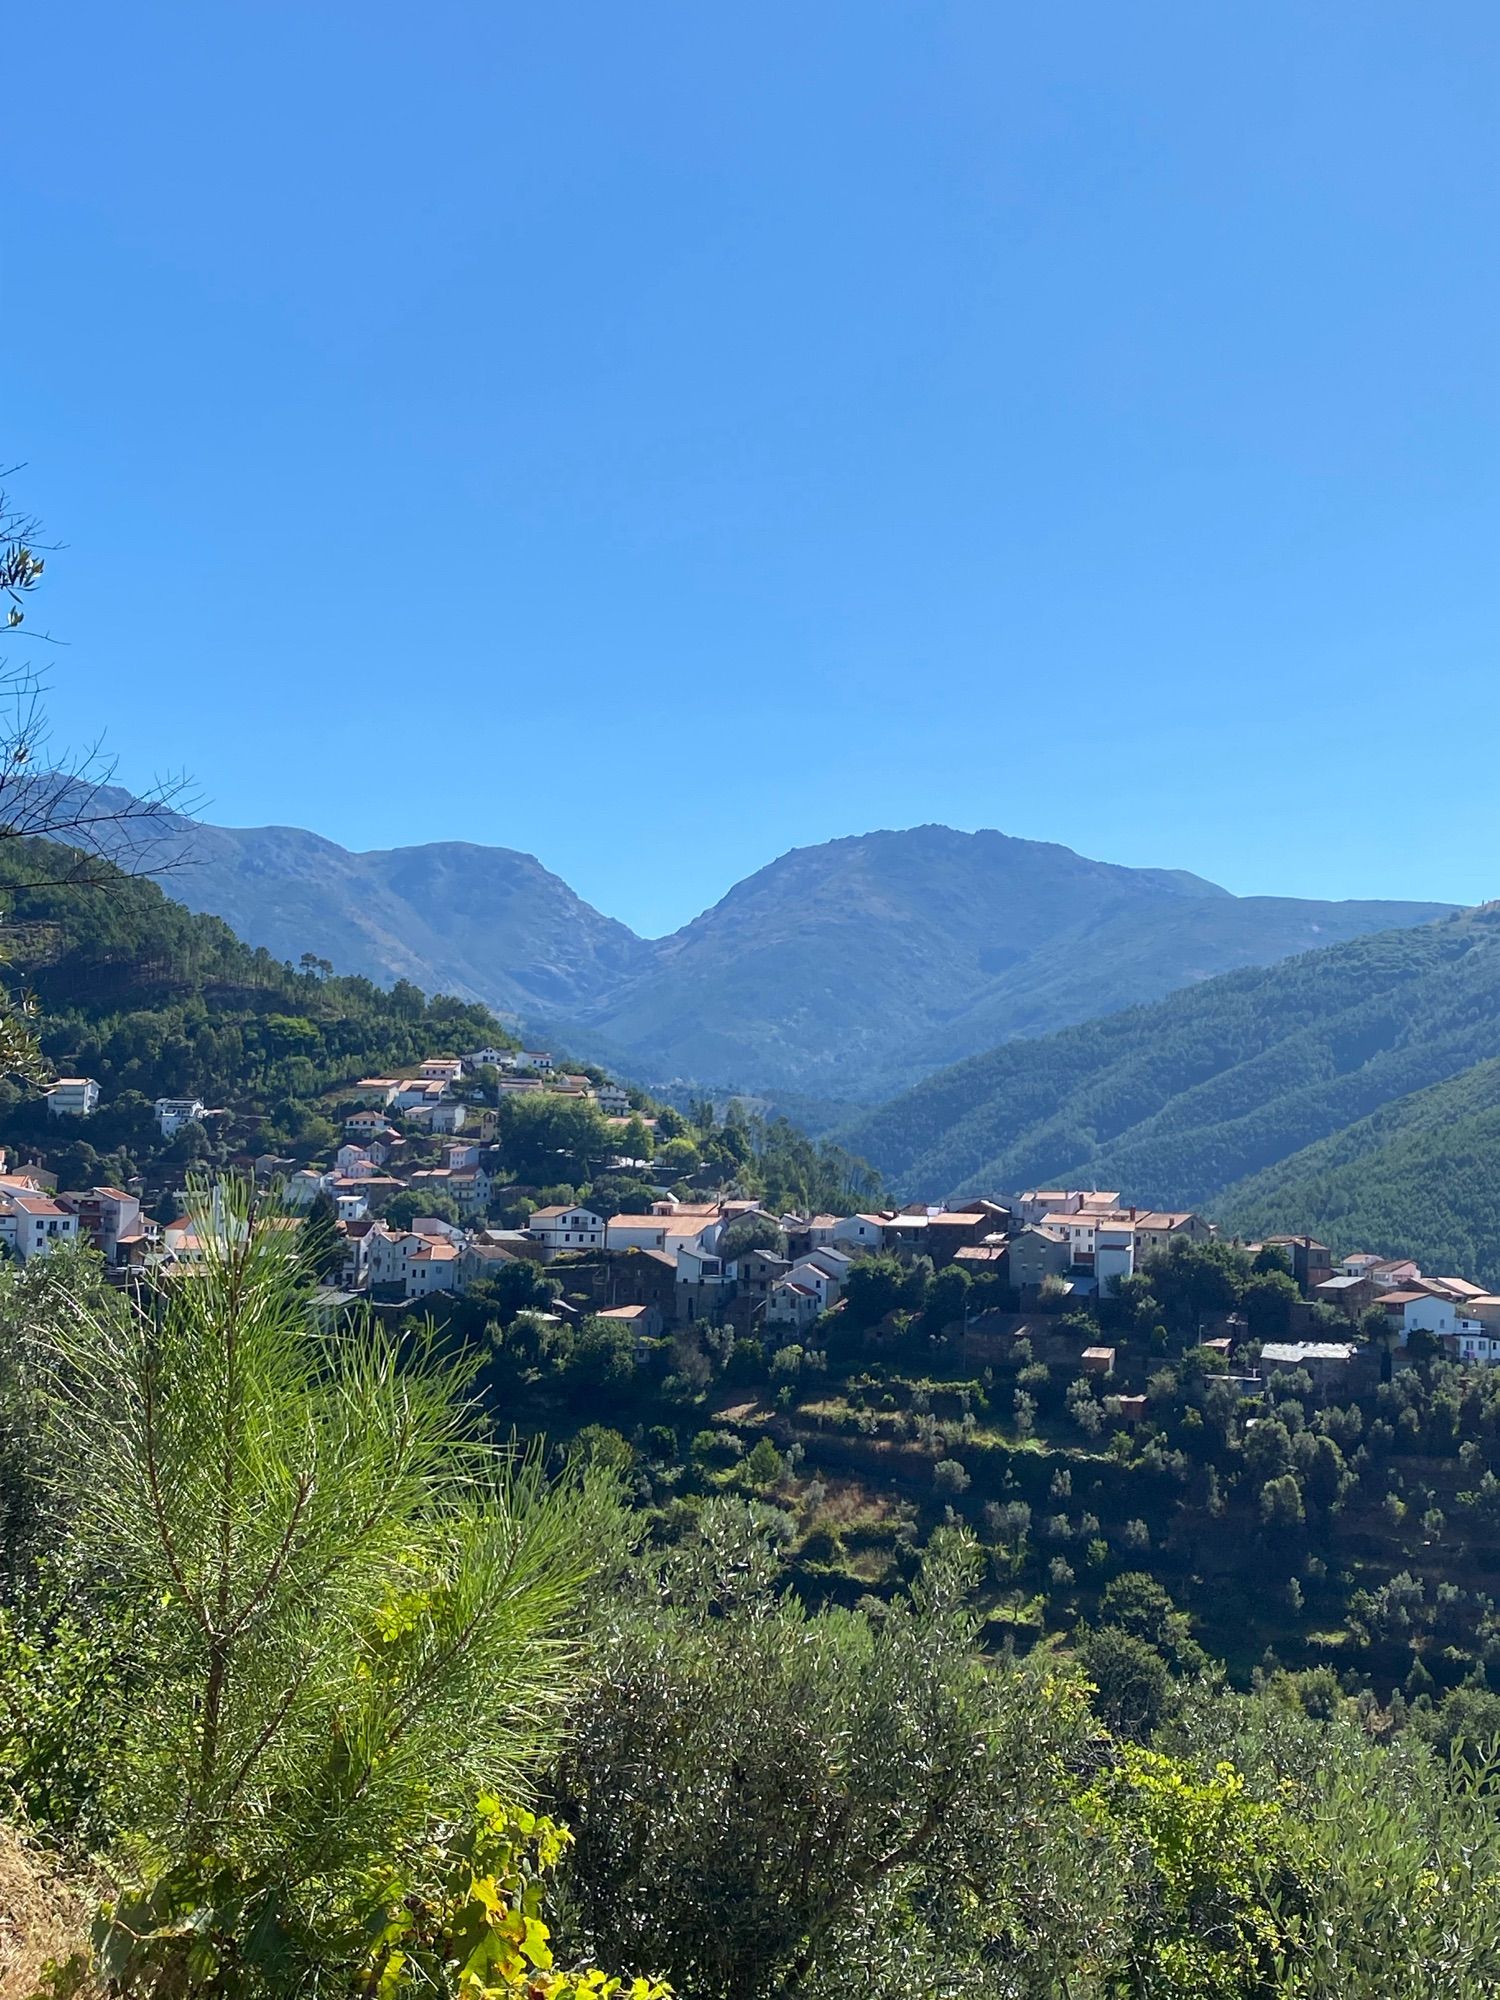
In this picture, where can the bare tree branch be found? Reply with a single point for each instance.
(70, 799)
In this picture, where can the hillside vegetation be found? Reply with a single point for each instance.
(1421, 1175)
(152, 1000)
(868, 962)
(1214, 1096)
(309, 1687)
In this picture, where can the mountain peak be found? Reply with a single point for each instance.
(843, 969)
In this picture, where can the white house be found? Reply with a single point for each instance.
(1358, 1264)
(73, 1097)
(1394, 1273)
(1114, 1253)
(614, 1099)
(470, 1188)
(566, 1228)
(703, 1280)
(835, 1267)
(668, 1227)
(303, 1188)
(434, 1225)
(172, 1113)
(180, 1238)
(857, 1232)
(386, 1253)
(824, 1284)
(432, 1267)
(356, 1265)
(363, 1126)
(449, 1117)
(1422, 1312)
(376, 1089)
(482, 1260)
(32, 1225)
(417, 1093)
(490, 1059)
(350, 1158)
(535, 1059)
(420, 1261)
(1081, 1227)
(442, 1069)
(636, 1232)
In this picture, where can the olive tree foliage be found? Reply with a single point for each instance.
(1386, 1878)
(767, 1802)
(362, 1615)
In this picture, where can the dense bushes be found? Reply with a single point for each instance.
(313, 1671)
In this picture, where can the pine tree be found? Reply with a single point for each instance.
(360, 1611)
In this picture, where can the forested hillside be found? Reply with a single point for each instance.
(1184, 1101)
(152, 1000)
(1420, 1177)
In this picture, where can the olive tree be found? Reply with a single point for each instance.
(767, 1802)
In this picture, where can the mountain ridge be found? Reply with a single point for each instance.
(842, 970)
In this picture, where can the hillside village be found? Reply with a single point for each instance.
(905, 1410)
(673, 1261)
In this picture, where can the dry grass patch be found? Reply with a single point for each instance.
(44, 1917)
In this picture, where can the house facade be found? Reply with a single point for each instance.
(107, 1216)
(33, 1225)
(854, 1232)
(366, 1124)
(703, 1282)
(564, 1228)
(172, 1113)
(1037, 1252)
(73, 1097)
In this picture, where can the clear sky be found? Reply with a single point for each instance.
(659, 436)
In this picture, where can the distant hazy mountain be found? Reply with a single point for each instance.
(840, 972)
(849, 968)
(1353, 1091)
(483, 923)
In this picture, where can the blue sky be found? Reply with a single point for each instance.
(659, 436)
